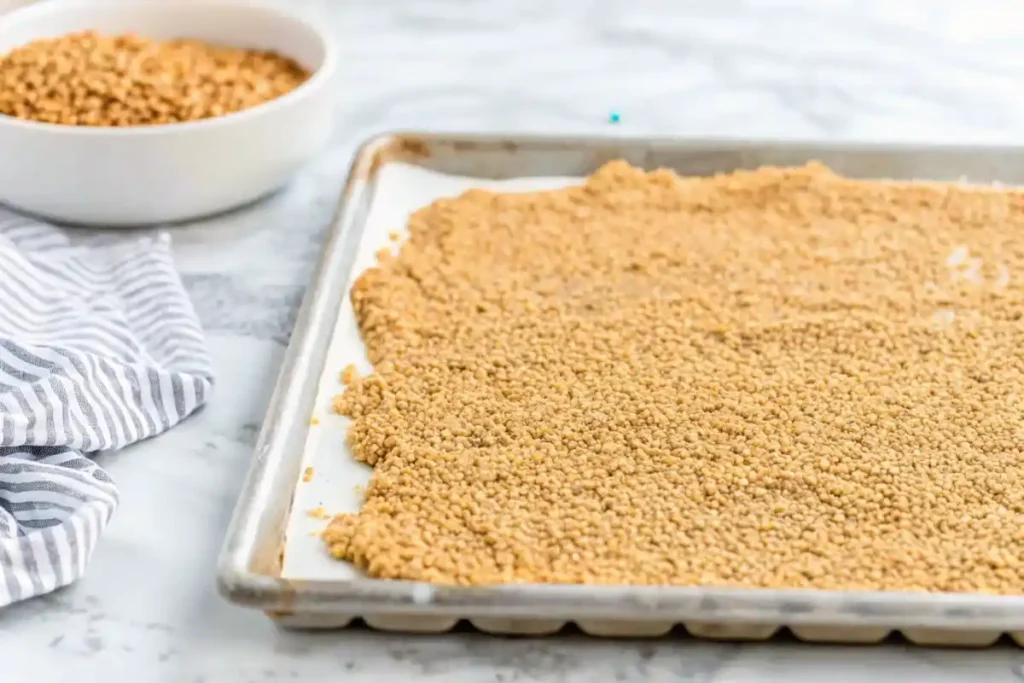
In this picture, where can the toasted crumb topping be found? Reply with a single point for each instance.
(349, 374)
(771, 378)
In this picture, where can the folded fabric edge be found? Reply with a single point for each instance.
(142, 276)
(49, 558)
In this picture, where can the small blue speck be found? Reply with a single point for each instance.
(614, 117)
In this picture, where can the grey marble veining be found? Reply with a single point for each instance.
(935, 70)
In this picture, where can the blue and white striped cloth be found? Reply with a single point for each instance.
(99, 348)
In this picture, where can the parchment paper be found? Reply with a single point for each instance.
(333, 482)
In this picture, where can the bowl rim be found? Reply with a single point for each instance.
(316, 80)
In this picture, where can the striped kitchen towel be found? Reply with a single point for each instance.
(99, 348)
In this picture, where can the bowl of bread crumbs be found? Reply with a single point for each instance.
(120, 113)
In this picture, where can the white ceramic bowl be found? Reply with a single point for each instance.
(174, 172)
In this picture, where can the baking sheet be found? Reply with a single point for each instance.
(249, 570)
(332, 485)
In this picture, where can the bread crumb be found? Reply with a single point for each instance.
(314, 421)
(307, 474)
(394, 236)
(349, 374)
(318, 513)
(754, 379)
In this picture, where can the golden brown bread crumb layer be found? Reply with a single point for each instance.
(776, 378)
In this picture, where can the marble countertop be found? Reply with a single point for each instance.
(934, 70)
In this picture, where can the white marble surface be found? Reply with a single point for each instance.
(933, 70)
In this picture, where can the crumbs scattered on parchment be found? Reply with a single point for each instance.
(349, 374)
(394, 236)
(733, 380)
(314, 421)
(307, 475)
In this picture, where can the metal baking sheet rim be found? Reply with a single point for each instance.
(250, 561)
